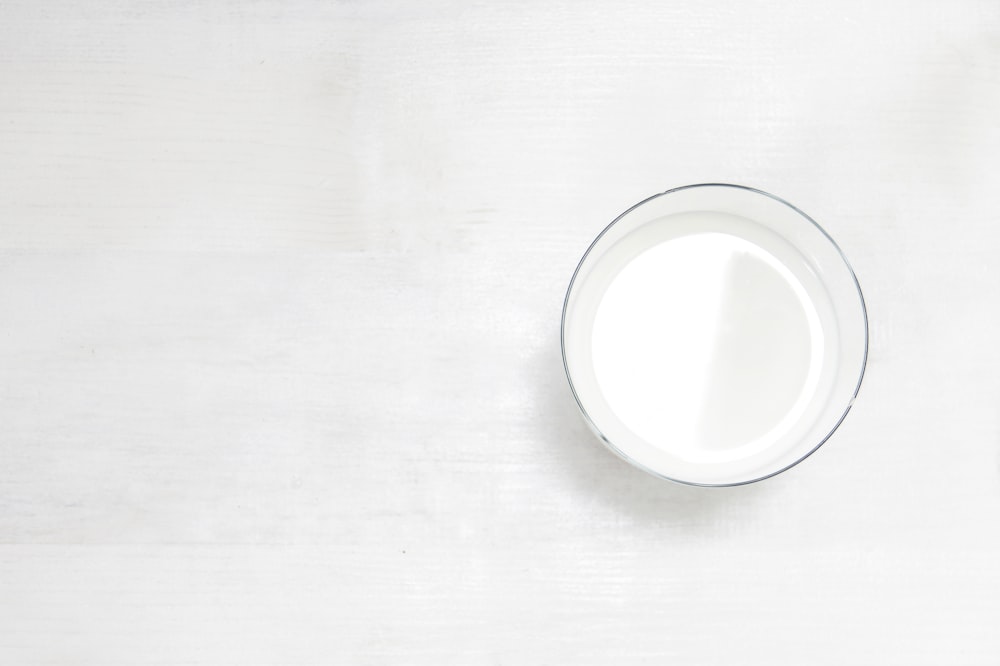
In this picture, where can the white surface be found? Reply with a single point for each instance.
(660, 338)
(280, 288)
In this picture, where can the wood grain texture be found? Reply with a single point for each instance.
(280, 288)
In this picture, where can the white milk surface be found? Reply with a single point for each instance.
(707, 338)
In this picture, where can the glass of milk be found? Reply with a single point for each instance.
(714, 335)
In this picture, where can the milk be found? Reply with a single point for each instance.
(705, 336)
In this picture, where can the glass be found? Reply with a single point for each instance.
(714, 335)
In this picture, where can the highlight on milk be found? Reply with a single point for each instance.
(714, 335)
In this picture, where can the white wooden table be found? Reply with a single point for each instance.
(280, 286)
